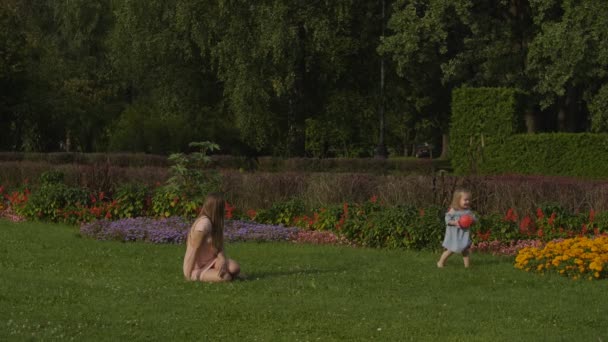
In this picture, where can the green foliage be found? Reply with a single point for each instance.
(598, 108)
(189, 183)
(564, 154)
(51, 177)
(281, 212)
(167, 201)
(189, 173)
(568, 54)
(481, 118)
(52, 200)
(131, 200)
(394, 227)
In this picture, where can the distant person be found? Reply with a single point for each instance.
(458, 220)
(205, 259)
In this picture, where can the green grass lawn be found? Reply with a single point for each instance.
(56, 285)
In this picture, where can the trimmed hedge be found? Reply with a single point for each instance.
(482, 117)
(557, 154)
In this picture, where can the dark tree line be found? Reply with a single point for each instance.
(287, 77)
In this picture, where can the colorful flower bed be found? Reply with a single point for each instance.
(163, 214)
(174, 230)
(579, 257)
(509, 248)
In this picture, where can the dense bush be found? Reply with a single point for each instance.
(482, 117)
(51, 200)
(563, 154)
(372, 225)
(266, 164)
(114, 159)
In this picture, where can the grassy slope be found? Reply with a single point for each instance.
(54, 284)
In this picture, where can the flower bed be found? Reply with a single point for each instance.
(579, 257)
(174, 230)
(509, 248)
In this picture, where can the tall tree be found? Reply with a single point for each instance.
(569, 58)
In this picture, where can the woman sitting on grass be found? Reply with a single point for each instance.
(205, 259)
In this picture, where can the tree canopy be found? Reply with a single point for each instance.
(286, 77)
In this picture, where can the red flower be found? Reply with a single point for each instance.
(524, 225)
(102, 195)
(251, 213)
(552, 218)
(228, 210)
(421, 212)
(591, 215)
(374, 199)
(510, 216)
(540, 233)
(539, 213)
(596, 231)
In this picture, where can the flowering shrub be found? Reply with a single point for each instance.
(10, 215)
(318, 237)
(281, 213)
(174, 230)
(132, 200)
(251, 231)
(370, 224)
(548, 223)
(510, 248)
(326, 218)
(579, 257)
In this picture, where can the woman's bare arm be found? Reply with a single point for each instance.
(197, 236)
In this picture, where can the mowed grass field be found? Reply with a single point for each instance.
(57, 285)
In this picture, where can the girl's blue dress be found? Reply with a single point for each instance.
(457, 239)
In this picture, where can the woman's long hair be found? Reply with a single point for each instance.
(214, 210)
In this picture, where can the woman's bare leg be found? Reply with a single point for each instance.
(233, 267)
(212, 275)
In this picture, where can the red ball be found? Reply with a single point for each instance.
(465, 221)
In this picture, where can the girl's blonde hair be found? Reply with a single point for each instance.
(458, 193)
(214, 210)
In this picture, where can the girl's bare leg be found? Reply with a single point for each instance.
(443, 258)
(466, 258)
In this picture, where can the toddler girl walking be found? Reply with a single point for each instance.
(458, 220)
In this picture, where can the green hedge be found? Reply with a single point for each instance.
(482, 117)
(559, 154)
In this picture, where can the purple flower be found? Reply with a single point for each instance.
(175, 229)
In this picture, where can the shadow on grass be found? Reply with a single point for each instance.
(283, 273)
(492, 260)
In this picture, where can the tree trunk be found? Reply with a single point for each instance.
(445, 140)
(530, 119)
